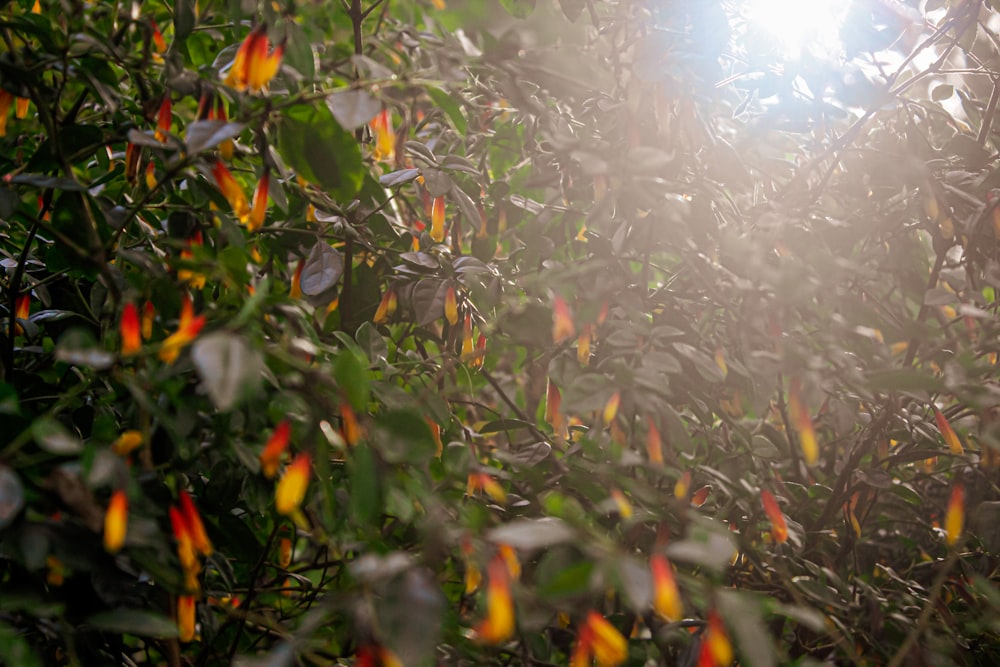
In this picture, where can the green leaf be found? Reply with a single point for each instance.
(365, 503)
(351, 373)
(742, 613)
(54, 438)
(11, 496)
(518, 8)
(134, 622)
(184, 19)
(313, 143)
(406, 437)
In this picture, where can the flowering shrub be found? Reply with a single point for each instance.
(405, 333)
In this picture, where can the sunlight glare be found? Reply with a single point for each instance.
(801, 25)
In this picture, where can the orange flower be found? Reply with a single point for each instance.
(720, 361)
(232, 191)
(259, 210)
(295, 291)
(199, 539)
(132, 154)
(802, 422)
(22, 311)
(715, 642)
(480, 481)
(21, 107)
(562, 321)
(116, 522)
(255, 63)
(436, 434)
(275, 448)
(148, 314)
(654, 444)
(666, 597)
(150, 175)
(950, 437)
(553, 403)
(467, 345)
(187, 330)
(385, 137)
(186, 550)
(509, 557)
(437, 219)
(127, 442)
(622, 504)
(583, 344)
(700, 496)
(498, 626)
(599, 639)
(682, 486)
(158, 41)
(451, 306)
(349, 424)
(954, 519)
(371, 655)
(185, 617)
(611, 407)
(779, 529)
(6, 99)
(477, 360)
(386, 307)
(284, 552)
(130, 330)
(291, 489)
(164, 119)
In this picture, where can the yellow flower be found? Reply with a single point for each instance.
(116, 522)
(291, 490)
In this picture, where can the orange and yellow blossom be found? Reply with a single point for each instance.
(196, 529)
(798, 413)
(255, 63)
(232, 191)
(187, 330)
(186, 617)
(600, 640)
(127, 442)
(6, 99)
(130, 329)
(385, 137)
(274, 450)
(451, 306)
(480, 481)
(654, 444)
(779, 529)
(498, 626)
(291, 489)
(666, 596)
(954, 518)
(563, 328)
(116, 522)
(259, 209)
(948, 433)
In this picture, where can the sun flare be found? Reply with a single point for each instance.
(801, 26)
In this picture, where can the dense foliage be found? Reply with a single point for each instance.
(390, 332)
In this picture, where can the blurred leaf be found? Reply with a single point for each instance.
(54, 438)
(322, 269)
(134, 622)
(228, 367)
(313, 143)
(11, 496)
(531, 534)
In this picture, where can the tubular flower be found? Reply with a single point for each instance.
(150, 175)
(284, 552)
(193, 278)
(295, 291)
(437, 219)
(385, 137)
(187, 330)
(611, 407)
(954, 518)
(158, 41)
(255, 63)
(480, 481)
(127, 443)
(386, 307)
(185, 617)
(148, 315)
(779, 529)
(583, 344)
(950, 437)
(480, 355)
(498, 626)
(622, 504)
(700, 496)
(720, 361)
(21, 107)
(164, 119)
(195, 526)
(473, 577)
(562, 321)
(654, 444)
(371, 655)
(553, 404)
(717, 641)
(22, 311)
(349, 424)
(291, 490)
(132, 153)
(131, 334)
(436, 434)
(683, 486)
(802, 421)
(231, 190)
(186, 551)
(666, 597)
(451, 306)
(602, 641)
(467, 344)
(259, 210)
(509, 557)
(6, 99)
(275, 448)
(116, 522)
